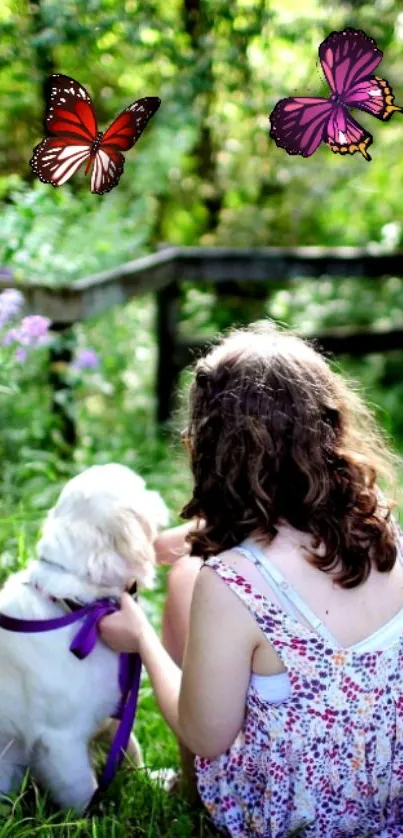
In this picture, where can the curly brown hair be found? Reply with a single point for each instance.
(275, 435)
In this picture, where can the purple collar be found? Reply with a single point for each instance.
(82, 645)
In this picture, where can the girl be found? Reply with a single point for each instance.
(285, 672)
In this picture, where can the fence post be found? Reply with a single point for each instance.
(60, 356)
(167, 367)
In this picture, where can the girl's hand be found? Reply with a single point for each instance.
(171, 544)
(122, 631)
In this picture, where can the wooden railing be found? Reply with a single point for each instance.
(162, 273)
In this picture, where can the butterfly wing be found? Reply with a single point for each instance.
(345, 136)
(56, 159)
(120, 136)
(128, 127)
(71, 124)
(373, 95)
(347, 58)
(298, 124)
(69, 110)
(108, 167)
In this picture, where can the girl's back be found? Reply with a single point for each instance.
(351, 615)
(321, 746)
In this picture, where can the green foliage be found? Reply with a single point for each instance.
(206, 169)
(43, 236)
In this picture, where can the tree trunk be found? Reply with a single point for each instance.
(198, 26)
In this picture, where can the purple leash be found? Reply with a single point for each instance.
(81, 646)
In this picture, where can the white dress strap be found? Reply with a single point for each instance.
(399, 542)
(291, 601)
(286, 604)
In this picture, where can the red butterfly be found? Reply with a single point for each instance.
(74, 137)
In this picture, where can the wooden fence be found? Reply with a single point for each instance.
(231, 271)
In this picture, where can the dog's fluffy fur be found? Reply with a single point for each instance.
(96, 541)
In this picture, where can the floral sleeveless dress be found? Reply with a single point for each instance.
(329, 760)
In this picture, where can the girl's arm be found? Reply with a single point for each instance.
(205, 707)
(129, 630)
(217, 667)
(171, 544)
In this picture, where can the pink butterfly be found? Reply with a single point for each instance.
(300, 124)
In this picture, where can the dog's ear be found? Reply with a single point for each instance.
(132, 532)
(130, 554)
(107, 569)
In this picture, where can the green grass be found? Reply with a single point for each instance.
(133, 806)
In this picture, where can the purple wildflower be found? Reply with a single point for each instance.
(87, 359)
(32, 331)
(11, 301)
(33, 328)
(12, 336)
(21, 355)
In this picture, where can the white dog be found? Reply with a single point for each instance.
(96, 541)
